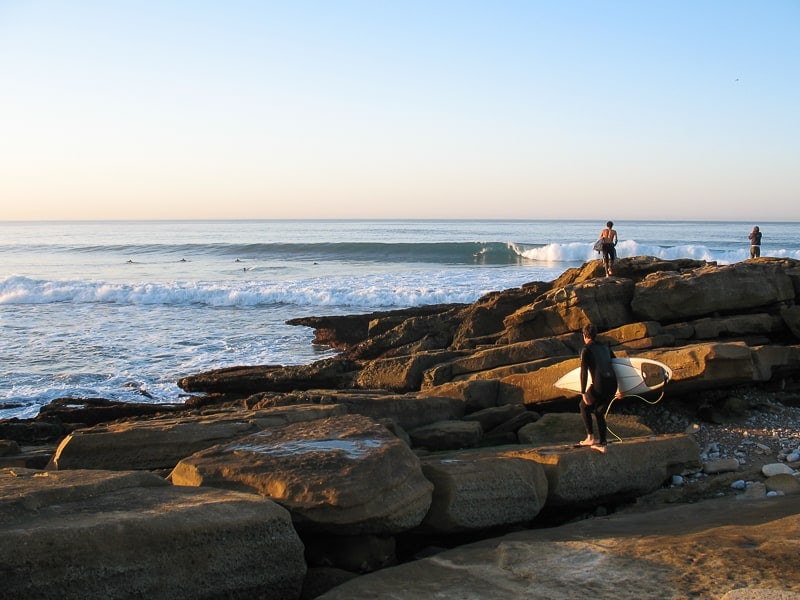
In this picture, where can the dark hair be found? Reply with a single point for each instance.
(610, 224)
(590, 331)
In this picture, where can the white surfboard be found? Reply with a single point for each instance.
(634, 376)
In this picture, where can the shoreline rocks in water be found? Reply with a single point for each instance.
(434, 426)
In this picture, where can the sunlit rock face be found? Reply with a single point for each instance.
(346, 474)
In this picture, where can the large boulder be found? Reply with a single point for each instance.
(344, 475)
(411, 335)
(482, 322)
(741, 287)
(627, 469)
(401, 373)
(479, 491)
(100, 534)
(604, 302)
(159, 443)
(345, 331)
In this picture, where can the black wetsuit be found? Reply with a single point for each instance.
(596, 359)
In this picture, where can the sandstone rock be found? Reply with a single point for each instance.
(345, 331)
(791, 318)
(759, 593)
(411, 335)
(409, 411)
(343, 475)
(334, 373)
(736, 326)
(511, 354)
(671, 296)
(784, 483)
(9, 448)
(655, 554)
(475, 394)
(631, 468)
(447, 435)
(99, 534)
(400, 374)
(707, 365)
(604, 302)
(484, 318)
(775, 362)
(492, 417)
(723, 465)
(554, 429)
(480, 491)
(161, 443)
(537, 386)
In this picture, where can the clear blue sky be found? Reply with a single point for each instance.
(417, 109)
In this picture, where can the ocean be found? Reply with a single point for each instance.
(123, 309)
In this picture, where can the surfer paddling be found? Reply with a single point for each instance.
(595, 399)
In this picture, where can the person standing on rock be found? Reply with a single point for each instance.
(755, 242)
(595, 399)
(608, 239)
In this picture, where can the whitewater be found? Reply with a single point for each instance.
(123, 309)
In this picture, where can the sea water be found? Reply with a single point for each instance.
(123, 309)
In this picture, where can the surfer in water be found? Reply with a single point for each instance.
(596, 359)
(608, 237)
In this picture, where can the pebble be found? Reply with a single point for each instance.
(776, 469)
(739, 484)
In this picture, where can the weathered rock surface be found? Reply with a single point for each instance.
(345, 475)
(99, 534)
(704, 550)
(482, 491)
(627, 469)
(160, 443)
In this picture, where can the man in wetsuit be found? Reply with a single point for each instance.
(755, 242)
(596, 359)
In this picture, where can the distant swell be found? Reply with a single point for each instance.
(454, 253)
(444, 253)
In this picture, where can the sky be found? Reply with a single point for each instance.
(503, 109)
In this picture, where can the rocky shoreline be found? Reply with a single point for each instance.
(435, 427)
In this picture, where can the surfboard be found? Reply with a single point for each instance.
(634, 376)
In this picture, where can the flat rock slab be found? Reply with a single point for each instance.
(684, 551)
(159, 443)
(343, 475)
(474, 492)
(628, 469)
(102, 534)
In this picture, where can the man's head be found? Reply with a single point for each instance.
(589, 331)
(610, 224)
